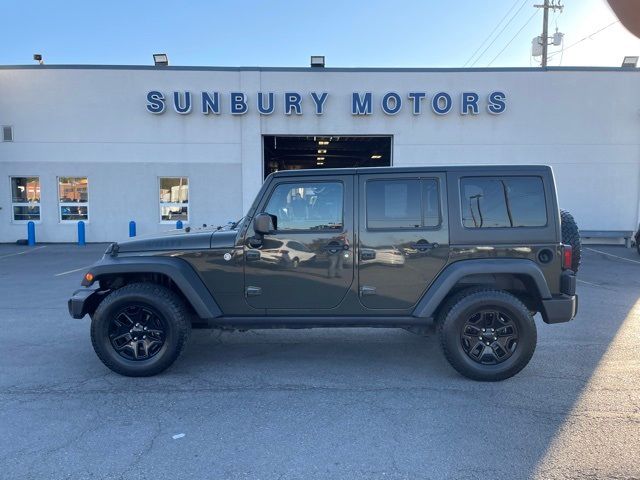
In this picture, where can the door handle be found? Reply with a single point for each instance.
(367, 254)
(367, 290)
(252, 255)
(423, 245)
(253, 291)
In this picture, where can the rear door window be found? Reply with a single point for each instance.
(402, 203)
(393, 204)
(503, 202)
(431, 202)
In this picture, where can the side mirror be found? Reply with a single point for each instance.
(263, 224)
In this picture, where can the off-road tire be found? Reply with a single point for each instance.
(168, 305)
(460, 307)
(571, 236)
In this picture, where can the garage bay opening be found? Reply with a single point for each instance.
(314, 151)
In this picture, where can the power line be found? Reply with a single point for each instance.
(500, 33)
(514, 37)
(585, 38)
(492, 32)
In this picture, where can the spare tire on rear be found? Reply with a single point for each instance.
(571, 236)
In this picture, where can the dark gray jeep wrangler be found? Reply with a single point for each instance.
(477, 250)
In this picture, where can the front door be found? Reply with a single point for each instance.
(404, 237)
(306, 261)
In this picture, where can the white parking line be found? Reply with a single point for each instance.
(589, 283)
(72, 271)
(612, 255)
(22, 253)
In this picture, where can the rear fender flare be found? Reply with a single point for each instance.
(453, 273)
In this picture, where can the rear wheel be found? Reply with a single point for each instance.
(487, 334)
(140, 329)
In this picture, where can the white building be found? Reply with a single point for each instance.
(106, 143)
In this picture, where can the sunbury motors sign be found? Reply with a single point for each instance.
(315, 103)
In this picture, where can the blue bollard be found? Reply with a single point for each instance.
(179, 225)
(132, 228)
(81, 236)
(31, 234)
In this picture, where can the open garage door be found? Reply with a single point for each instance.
(287, 152)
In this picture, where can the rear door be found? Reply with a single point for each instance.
(306, 261)
(403, 237)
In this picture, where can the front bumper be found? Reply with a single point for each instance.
(560, 308)
(84, 301)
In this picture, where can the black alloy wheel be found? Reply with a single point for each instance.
(489, 337)
(487, 334)
(137, 332)
(140, 329)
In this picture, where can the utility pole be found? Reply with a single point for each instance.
(545, 25)
(545, 32)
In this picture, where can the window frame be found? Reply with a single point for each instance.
(307, 231)
(72, 204)
(422, 227)
(174, 204)
(498, 177)
(25, 204)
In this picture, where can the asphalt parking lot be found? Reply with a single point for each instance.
(344, 403)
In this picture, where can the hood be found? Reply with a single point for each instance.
(200, 239)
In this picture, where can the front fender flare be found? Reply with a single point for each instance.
(453, 273)
(177, 269)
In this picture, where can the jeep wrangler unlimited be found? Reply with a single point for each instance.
(475, 250)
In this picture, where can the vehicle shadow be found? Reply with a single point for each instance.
(547, 422)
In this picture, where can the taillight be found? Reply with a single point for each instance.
(567, 255)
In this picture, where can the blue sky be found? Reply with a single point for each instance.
(420, 33)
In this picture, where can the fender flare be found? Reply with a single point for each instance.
(178, 270)
(451, 274)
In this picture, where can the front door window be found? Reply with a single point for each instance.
(307, 206)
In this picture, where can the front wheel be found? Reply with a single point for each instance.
(140, 329)
(487, 334)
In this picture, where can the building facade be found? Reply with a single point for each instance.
(111, 144)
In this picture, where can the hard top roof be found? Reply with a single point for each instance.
(413, 169)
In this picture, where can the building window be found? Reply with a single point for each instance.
(402, 203)
(25, 198)
(503, 202)
(174, 199)
(73, 197)
(307, 206)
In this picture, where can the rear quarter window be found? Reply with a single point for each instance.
(503, 202)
